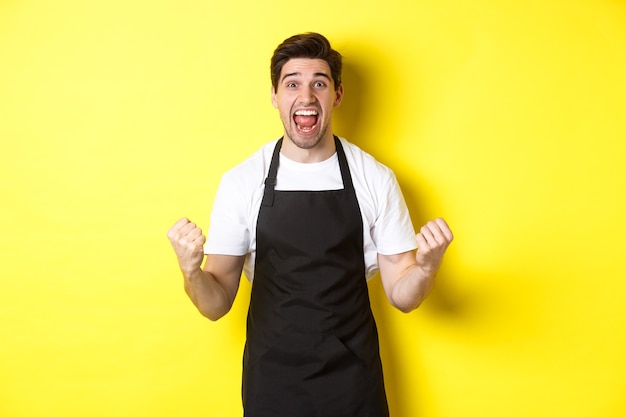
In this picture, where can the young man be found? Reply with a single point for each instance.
(309, 218)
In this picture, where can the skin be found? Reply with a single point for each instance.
(306, 84)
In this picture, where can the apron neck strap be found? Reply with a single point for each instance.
(270, 181)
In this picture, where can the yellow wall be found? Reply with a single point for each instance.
(505, 117)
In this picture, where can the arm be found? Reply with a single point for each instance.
(213, 288)
(409, 277)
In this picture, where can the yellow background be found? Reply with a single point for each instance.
(505, 117)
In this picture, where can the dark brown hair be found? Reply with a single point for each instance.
(306, 45)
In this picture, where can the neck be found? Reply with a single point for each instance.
(318, 153)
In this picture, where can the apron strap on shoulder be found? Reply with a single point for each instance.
(270, 181)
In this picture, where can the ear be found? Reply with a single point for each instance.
(338, 96)
(274, 102)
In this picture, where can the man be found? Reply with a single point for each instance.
(308, 218)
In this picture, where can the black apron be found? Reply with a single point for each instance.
(312, 343)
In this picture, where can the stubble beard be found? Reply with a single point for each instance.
(307, 142)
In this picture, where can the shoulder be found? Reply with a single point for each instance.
(375, 184)
(251, 171)
(241, 185)
(365, 166)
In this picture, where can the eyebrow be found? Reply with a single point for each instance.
(317, 74)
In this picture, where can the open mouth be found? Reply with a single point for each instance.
(306, 120)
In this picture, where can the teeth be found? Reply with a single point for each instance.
(306, 129)
(306, 113)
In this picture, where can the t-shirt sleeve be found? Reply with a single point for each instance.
(228, 232)
(393, 230)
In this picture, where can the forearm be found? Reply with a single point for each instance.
(209, 297)
(409, 277)
(212, 289)
(411, 288)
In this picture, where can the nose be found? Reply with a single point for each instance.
(306, 95)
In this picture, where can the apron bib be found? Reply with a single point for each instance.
(312, 343)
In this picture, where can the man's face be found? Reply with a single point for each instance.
(305, 97)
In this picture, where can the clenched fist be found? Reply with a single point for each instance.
(188, 242)
(432, 241)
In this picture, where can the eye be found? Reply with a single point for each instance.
(319, 84)
(291, 84)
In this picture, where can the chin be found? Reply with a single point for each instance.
(306, 141)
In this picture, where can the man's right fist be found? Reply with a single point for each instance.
(188, 243)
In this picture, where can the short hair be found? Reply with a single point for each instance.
(306, 45)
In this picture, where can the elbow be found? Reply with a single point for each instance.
(212, 317)
(408, 299)
(212, 308)
(406, 308)
(212, 313)
(406, 304)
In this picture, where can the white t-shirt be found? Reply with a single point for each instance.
(387, 227)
